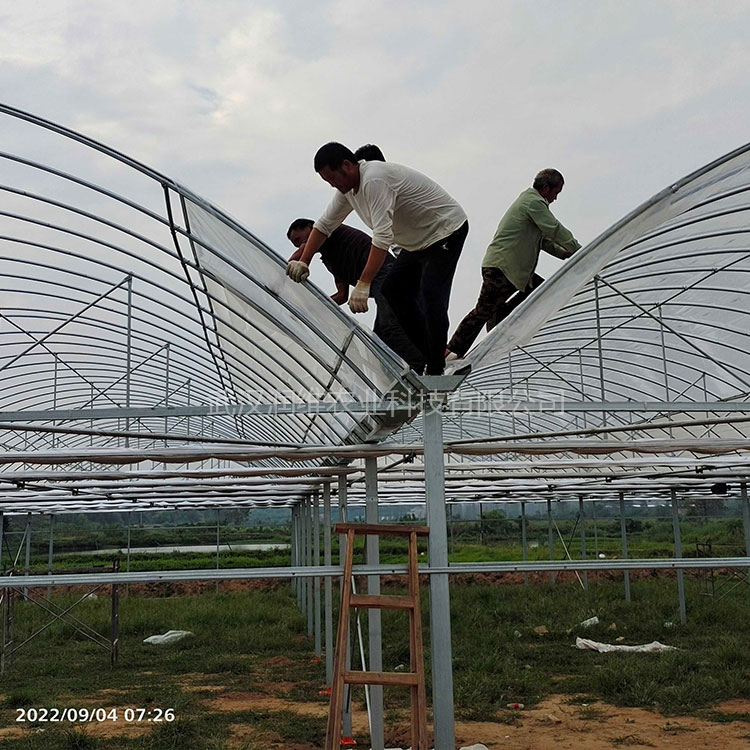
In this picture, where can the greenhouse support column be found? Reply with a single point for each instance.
(524, 546)
(583, 539)
(28, 553)
(128, 353)
(218, 539)
(2, 535)
(624, 540)
(304, 535)
(746, 521)
(293, 547)
(678, 555)
(596, 534)
(297, 547)
(327, 592)
(309, 561)
(346, 716)
(600, 346)
(316, 580)
(301, 553)
(50, 551)
(127, 561)
(377, 737)
(550, 539)
(440, 609)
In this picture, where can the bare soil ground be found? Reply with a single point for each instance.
(554, 724)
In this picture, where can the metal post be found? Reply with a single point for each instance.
(127, 562)
(328, 591)
(187, 420)
(218, 541)
(128, 353)
(583, 385)
(293, 546)
(377, 737)
(2, 535)
(550, 539)
(346, 716)
(600, 347)
(440, 610)
(582, 524)
(746, 521)
(114, 632)
(167, 350)
(316, 580)
(6, 635)
(50, 551)
(308, 561)
(301, 585)
(524, 545)
(678, 554)
(28, 553)
(54, 403)
(664, 358)
(596, 530)
(298, 557)
(624, 541)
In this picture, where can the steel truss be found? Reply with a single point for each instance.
(153, 356)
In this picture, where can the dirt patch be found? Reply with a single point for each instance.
(553, 724)
(599, 726)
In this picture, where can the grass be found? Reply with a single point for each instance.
(256, 642)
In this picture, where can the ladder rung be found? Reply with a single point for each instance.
(381, 529)
(376, 601)
(381, 678)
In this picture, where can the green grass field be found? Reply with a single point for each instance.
(498, 658)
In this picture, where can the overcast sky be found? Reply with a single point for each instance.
(233, 97)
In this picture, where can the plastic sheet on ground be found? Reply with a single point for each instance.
(169, 637)
(604, 648)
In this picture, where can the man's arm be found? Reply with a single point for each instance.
(551, 228)
(342, 292)
(312, 245)
(298, 267)
(381, 201)
(557, 250)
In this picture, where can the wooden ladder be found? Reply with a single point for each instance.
(414, 679)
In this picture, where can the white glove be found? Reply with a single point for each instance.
(358, 298)
(297, 270)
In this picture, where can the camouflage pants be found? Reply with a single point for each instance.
(497, 299)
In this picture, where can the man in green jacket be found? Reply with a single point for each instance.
(509, 263)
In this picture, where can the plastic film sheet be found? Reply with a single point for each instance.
(655, 309)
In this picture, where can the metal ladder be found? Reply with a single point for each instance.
(414, 679)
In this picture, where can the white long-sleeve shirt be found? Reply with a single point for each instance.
(400, 205)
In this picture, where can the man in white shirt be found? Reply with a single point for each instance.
(402, 207)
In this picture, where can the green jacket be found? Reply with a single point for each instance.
(527, 227)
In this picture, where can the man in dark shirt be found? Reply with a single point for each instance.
(345, 254)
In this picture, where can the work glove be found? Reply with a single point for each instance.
(358, 298)
(297, 270)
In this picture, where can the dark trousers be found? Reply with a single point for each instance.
(389, 330)
(497, 299)
(418, 288)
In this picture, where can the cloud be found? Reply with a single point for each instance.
(233, 98)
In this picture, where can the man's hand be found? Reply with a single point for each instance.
(297, 270)
(358, 299)
(297, 254)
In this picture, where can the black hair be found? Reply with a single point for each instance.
(369, 152)
(548, 178)
(299, 224)
(332, 156)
